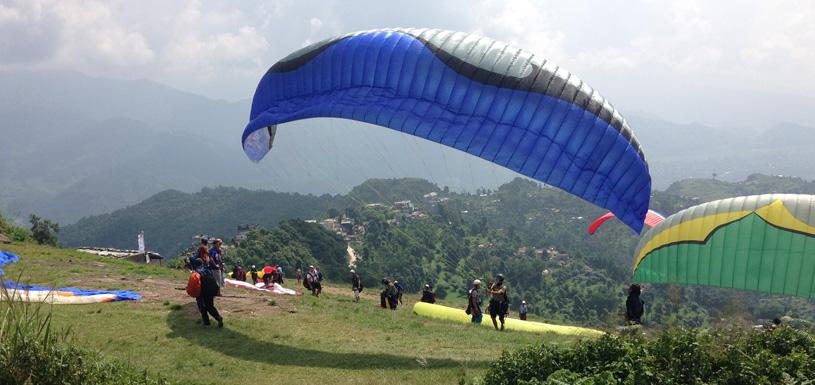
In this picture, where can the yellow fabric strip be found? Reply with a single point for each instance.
(779, 216)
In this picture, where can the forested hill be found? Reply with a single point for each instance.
(170, 218)
(705, 190)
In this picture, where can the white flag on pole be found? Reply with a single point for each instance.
(141, 247)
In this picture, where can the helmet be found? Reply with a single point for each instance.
(476, 282)
(500, 276)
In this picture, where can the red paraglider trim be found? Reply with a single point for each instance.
(652, 218)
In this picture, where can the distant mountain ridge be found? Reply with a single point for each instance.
(171, 217)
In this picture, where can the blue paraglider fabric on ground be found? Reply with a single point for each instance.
(6, 258)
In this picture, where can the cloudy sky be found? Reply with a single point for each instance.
(729, 63)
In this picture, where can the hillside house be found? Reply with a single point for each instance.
(243, 231)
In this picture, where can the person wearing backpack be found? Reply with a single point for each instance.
(312, 281)
(474, 303)
(201, 253)
(634, 306)
(202, 286)
(309, 277)
(356, 285)
(254, 274)
(389, 295)
(499, 303)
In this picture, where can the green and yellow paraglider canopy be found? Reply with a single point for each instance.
(764, 243)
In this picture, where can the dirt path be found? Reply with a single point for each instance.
(352, 256)
(236, 302)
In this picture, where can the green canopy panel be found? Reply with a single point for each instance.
(763, 243)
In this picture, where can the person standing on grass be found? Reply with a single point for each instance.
(474, 302)
(388, 297)
(523, 310)
(499, 303)
(298, 275)
(241, 274)
(356, 285)
(319, 284)
(202, 254)
(206, 298)
(216, 263)
(428, 295)
(280, 274)
(392, 294)
(254, 274)
(399, 291)
(313, 281)
(634, 306)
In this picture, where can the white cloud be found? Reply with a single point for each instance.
(29, 34)
(524, 24)
(221, 48)
(93, 35)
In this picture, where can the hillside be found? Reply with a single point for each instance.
(292, 339)
(170, 218)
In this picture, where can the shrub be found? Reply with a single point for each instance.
(32, 352)
(677, 356)
(16, 233)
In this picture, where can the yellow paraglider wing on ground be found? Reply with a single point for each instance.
(458, 315)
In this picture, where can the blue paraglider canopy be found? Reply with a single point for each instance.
(471, 93)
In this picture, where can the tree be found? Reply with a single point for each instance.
(43, 230)
(333, 213)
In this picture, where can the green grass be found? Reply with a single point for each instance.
(299, 340)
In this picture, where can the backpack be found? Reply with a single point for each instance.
(194, 285)
(209, 287)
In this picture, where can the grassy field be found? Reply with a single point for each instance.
(266, 339)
